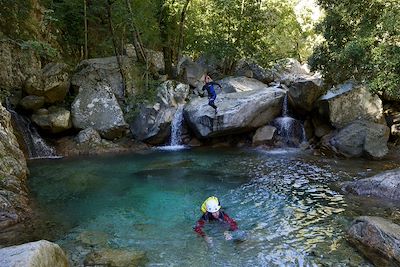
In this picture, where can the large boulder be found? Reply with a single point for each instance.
(349, 102)
(153, 122)
(14, 208)
(105, 70)
(253, 70)
(52, 83)
(191, 73)
(362, 138)
(288, 70)
(35, 254)
(237, 112)
(377, 238)
(98, 108)
(304, 91)
(239, 84)
(264, 135)
(55, 119)
(384, 185)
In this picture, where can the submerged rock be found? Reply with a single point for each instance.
(35, 254)
(116, 258)
(384, 185)
(378, 239)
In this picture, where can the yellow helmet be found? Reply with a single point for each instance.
(211, 204)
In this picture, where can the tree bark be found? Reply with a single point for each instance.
(86, 28)
(137, 43)
(111, 26)
(165, 40)
(181, 30)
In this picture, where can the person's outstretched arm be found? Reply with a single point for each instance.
(199, 227)
(232, 223)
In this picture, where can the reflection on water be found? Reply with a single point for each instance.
(150, 202)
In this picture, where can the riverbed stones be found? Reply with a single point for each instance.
(377, 238)
(304, 91)
(35, 254)
(116, 258)
(385, 185)
(251, 69)
(237, 112)
(88, 135)
(32, 102)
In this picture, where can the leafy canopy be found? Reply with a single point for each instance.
(362, 42)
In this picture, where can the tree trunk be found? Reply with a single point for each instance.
(86, 28)
(110, 23)
(181, 26)
(137, 43)
(165, 40)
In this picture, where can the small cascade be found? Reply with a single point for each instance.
(176, 131)
(289, 129)
(36, 146)
(176, 127)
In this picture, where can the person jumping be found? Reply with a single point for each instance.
(212, 95)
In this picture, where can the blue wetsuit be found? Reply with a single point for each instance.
(211, 93)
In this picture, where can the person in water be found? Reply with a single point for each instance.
(211, 210)
(212, 95)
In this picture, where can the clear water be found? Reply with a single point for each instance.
(282, 199)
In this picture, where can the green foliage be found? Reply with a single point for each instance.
(15, 19)
(145, 93)
(362, 42)
(44, 50)
(262, 30)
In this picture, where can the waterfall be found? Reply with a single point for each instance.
(289, 129)
(176, 131)
(36, 146)
(176, 127)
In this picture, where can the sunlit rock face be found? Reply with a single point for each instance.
(377, 238)
(35, 254)
(385, 185)
(350, 102)
(237, 112)
(14, 207)
(97, 107)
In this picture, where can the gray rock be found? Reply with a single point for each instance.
(35, 254)
(264, 135)
(384, 185)
(237, 112)
(362, 138)
(90, 72)
(52, 83)
(116, 258)
(378, 239)
(153, 122)
(55, 120)
(17, 65)
(304, 91)
(239, 84)
(88, 135)
(288, 70)
(97, 107)
(350, 102)
(252, 70)
(191, 72)
(14, 205)
(32, 102)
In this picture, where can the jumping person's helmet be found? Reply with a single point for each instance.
(211, 205)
